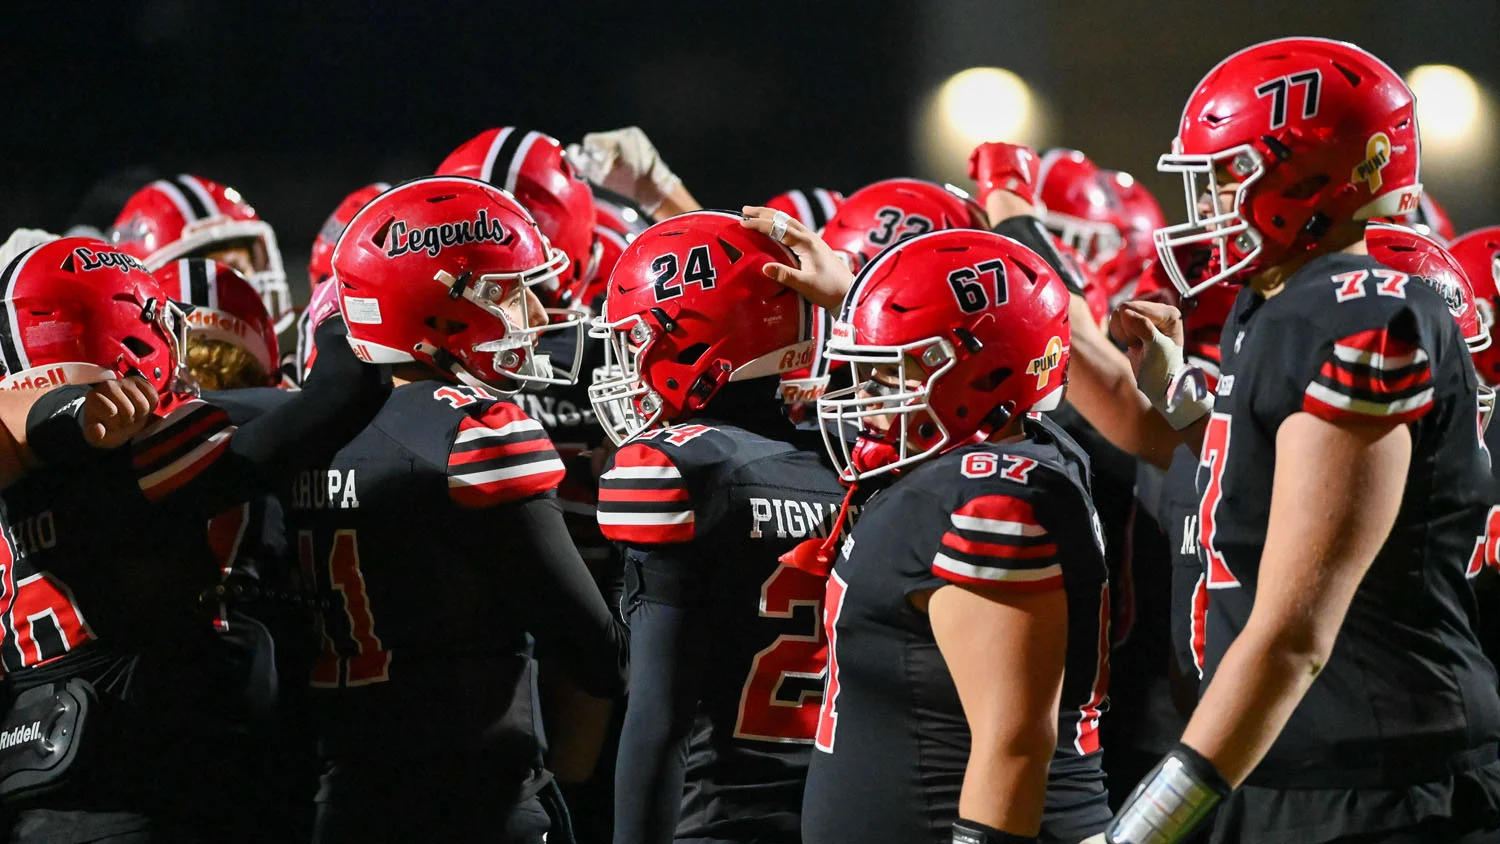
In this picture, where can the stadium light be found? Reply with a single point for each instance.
(1449, 102)
(973, 106)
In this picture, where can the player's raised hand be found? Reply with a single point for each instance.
(998, 166)
(821, 277)
(115, 411)
(626, 162)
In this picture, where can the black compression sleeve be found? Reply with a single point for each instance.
(337, 402)
(557, 601)
(54, 427)
(667, 656)
(1034, 236)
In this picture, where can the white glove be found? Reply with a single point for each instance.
(625, 162)
(21, 240)
(1176, 390)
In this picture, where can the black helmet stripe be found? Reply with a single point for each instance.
(10, 330)
(196, 197)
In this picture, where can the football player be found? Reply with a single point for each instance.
(107, 554)
(436, 532)
(890, 211)
(1343, 482)
(231, 343)
(967, 615)
(191, 217)
(711, 484)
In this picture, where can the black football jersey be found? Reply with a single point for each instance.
(892, 739)
(103, 571)
(408, 535)
(1406, 689)
(706, 510)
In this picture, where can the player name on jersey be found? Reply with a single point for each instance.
(325, 489)
(793, 518)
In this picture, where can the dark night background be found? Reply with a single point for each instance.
(297, 104)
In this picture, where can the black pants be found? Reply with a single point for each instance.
(420, 803)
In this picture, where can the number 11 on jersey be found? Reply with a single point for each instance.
(351, 653)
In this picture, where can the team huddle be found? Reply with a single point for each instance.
(578, 512)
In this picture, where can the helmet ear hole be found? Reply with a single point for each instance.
(138, 347)
(1307, 188)
(690, 355)
(380, 233)
(990, 382)
(446, 327)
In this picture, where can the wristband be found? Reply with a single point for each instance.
(1169, 804)
(54, 426)
(1177, 391)
(973, 832)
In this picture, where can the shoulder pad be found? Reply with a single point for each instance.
(178, 446)
(499, 453)
(643, 498)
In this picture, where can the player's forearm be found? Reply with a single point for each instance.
(1102, 387)
(1257, 685)
(678, 201)
(1005, 781)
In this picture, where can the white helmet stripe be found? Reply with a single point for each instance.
(488, 170)
(520, 158)
(175, 194)
(195, 192)
(14, 352)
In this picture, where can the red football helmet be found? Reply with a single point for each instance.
(1478, 252)
(79, 312)
(1430, 219)
(533, 168)
(189, 216)
(978, 322)
(891, 211)
(426, 273)
(1421, 257)
(615, 226)
(1078, 202)
(320, 262)
(688, 311)
(224, 307)
(814, 207)
(1308, 134)
(1140, 218)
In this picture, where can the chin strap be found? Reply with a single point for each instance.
(816, 556)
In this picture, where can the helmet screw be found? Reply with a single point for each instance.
(156, 373)
(1242, 165)
(650, 402)
(1244, 242)
(933, 356)
(640, 333)
(510, 360)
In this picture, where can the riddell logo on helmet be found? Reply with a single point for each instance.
(1377, 156)
(89, 260)
(45, 380)
(434, 239)
(1042, 367)
(203, 319)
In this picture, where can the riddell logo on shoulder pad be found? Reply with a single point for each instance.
(54, 377)
(20, 735)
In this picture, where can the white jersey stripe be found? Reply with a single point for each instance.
(683, 517)
(620, 473)
(996, 526)
(172, 469)
(1375, 360)
(1369, 408)
(516, 427)
(943, 562)
(505, 474)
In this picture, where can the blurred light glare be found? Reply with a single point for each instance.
(1448, 102)
(986, 104)
(970, 107)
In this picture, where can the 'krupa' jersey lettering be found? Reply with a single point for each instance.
(1406, 687)
(892, 739)
(706, 510)
(404, 533)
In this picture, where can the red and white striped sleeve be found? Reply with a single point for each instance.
(643, 499)
(1372, 376)
(179, 446)
(996, 540)
(500, 456)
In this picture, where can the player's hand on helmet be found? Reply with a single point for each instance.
(822, 275)
(115, 411)
(998, 166)
(626, 162)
